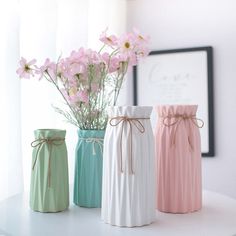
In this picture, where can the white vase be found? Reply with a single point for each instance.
(128, 188)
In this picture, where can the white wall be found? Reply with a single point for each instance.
(191, 23)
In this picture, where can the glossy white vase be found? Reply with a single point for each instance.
(128, 188)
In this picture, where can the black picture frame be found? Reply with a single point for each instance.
(185, 57)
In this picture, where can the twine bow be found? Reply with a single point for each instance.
(50, 142)
(94, 141)
(178, 119)
(115, 121)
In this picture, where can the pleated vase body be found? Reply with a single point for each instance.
(128, 193)
(49, 190)
(178, 149)
(88, 168)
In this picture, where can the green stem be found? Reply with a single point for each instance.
(104, 45)
(117, 89)
(72, 110)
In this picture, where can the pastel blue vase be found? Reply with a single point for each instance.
(88, 168)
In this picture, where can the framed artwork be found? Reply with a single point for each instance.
(179, 76)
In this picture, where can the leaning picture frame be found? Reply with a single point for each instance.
(179, 76)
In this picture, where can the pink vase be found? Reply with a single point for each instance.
(179, 188)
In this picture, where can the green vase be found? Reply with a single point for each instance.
(49, 190)
(88, 168)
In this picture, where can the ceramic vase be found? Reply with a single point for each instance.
(88, 168)
(128, 190)
(178, 151)
(49, 190)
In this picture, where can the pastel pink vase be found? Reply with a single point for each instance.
(178, 151)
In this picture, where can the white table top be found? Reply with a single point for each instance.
(217, 218)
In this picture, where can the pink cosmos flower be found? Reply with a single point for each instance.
(142, 51)
(129, 58)
(83, 96)
(76, 96)
(48, 67)
(126, 43)
(93, 57)
(79, 56)
(72, 97)
(26, 70)
(114, 64)
(141, 44)
(77, 68)
(64, 69)
(111, 62)
(139, 37)
(72, 82)
(108, 40)
(105, 57)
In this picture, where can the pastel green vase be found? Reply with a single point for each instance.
(49, 190)
(88, 168)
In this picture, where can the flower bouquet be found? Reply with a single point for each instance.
(89, 81)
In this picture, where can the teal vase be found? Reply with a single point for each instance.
(49, 189)
(88, 168)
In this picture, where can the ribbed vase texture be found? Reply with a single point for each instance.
(49, 190)
(178, 150)
(128, 190)
(88, 168)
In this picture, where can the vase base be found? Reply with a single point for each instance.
(179, 212)
(87, 205)
(129, 225)
(49, 211)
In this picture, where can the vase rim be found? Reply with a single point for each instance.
(49, 133)
(54, 130)
(96, 130)
(177, 105)
(89, 133)
(131, 106)
(130, 111)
